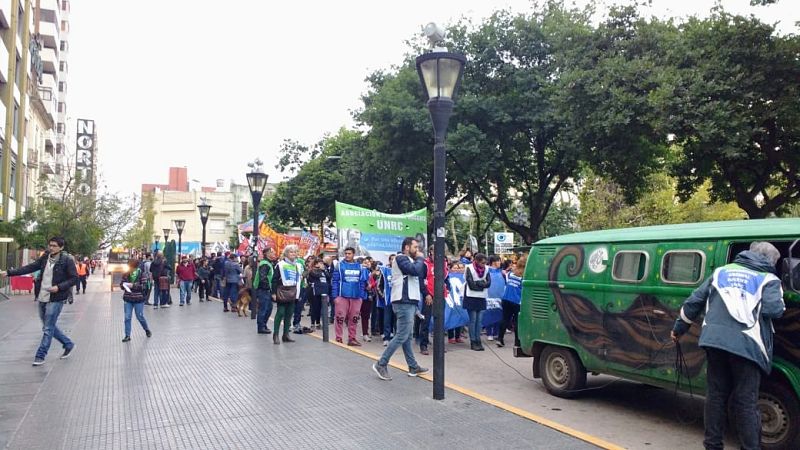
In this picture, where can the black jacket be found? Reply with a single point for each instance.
(65, 274)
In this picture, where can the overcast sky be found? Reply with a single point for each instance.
(175, 83)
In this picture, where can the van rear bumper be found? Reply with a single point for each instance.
(519, 353)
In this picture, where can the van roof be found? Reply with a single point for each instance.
(731, 229)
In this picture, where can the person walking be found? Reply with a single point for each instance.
(408, 288)
(285, 291)
(737, 302)
(368, 303)
(218, 271)
(58, 276)
(262, 282)
(512, 297)
(83, 273)
(349, 289)
(185, 273)
(232, 272)
(156, 267)
(133, 298)
(147, 279)
(203, 277)
(477, 286)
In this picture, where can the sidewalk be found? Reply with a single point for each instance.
(207, 380)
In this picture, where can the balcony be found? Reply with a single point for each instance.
(47, 165)
(49, 60)
(5, 13)
(50, 34)
(33, 159)
(3, 62)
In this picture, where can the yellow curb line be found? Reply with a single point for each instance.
(496, 403)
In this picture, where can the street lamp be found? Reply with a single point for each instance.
(204, 209)
(156, 239)
(256, 181)
(179, 224)
(440, 74)
(166, 236)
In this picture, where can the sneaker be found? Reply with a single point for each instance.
(165, 306)
(451, 341)
(459, 341)
(180, 304)
(67, 352)
(38, 361)
(385, 343)
(424, 351)
(416, 371)
(501, 344)
(155, 307)
(367, 338)
(339, 340)
(382, 371)
(148, 333)
(126, 339)
(353, 343)
(490, 338)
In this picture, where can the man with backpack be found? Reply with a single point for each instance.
(58, 275)
(262, 281)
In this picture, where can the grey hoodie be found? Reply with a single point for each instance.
(739, 300)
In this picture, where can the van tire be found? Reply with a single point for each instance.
(780, 416)
(562, 371)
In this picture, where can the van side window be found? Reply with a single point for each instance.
(630, 266)
(683, 266)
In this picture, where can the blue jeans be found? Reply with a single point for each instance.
(474, 326)
(48, 313)
(405, 323)
(231, 294)
(264, 308)
(186, 291)
(388, 322)
(216, 290)
(139, 308)
(731, 378)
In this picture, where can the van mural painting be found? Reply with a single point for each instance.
(635, 337)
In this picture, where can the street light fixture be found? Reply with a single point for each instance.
(256, 181)
(204, 209)
(440, 75)
(179, 225)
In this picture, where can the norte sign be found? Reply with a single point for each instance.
(377, 234)
(84, 157)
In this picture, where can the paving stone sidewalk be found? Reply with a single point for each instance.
(206, 380)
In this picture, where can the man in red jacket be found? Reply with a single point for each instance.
(185, 275)
(422, 325)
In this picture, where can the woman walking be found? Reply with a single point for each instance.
(132, 285)
(203, 275)
(478, 282)
(286, 291)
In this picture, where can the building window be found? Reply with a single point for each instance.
(683, 266)
(62, 66)
(15, 120)
(216, 226)
(19, 72)
(13, 191)
(62, 107)
(21, 23)
(62, 86)
(60, 128)
(630, 266)
(65, 5)
(64, 46)
(64, 26)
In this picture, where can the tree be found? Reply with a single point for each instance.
(729, 96)
(603, 205)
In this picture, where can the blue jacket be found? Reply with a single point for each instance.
(349, 280)
(739, 300)
(513, 291)
(233, 271)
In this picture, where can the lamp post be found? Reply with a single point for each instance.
(156, 240)
(440, 74)
(204, 209)
(179, 225)
(256, 181)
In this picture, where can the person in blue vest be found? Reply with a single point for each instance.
(262, 281)
(408, 288)
(285, 291)
(349, 289)
(512, 297)
(738, 303)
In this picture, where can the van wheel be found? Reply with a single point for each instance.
(562, 372)
(780, 416)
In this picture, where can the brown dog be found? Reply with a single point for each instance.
(243, 302)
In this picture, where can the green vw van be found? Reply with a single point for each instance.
(605, 302)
